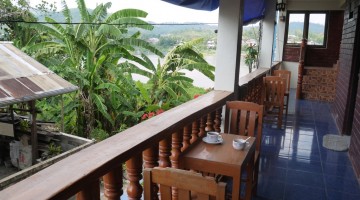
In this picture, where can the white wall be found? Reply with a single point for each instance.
(293, 67)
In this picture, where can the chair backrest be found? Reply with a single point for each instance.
(273, 92)
(244, 118)
(286, 75)
(187, 183)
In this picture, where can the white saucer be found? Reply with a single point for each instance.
(219, 141)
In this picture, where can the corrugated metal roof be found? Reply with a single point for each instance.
(22, 78)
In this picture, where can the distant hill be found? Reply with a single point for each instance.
(59, 17)
(316, 28)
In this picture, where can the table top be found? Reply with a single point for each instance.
(217, 158)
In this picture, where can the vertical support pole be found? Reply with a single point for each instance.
(34, 138)
(113, 184)
(194, 131)
(91, 192)
(150, 157)
(134, 169)
(301, 68)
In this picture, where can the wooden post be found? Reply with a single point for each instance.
(113, 183)
(194, 131)
(150, 157)
(91, 192)
(186, 137)
(164, 153)
(217, 120)
(301, 68)
(34, 138)
(134, 169)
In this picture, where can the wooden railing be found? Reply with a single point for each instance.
(250, 85)
(155, 142)
(301, 67)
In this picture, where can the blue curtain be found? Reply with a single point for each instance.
(253, 9)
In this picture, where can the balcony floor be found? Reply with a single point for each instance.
(295, 165)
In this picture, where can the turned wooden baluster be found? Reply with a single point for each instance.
(301, 68)
(164, 153)
(91, 192)
(194, 131)
(134, 169)
(187, 137)
(202, 127)
(176, 143)
(150, 157)
(217, 125)
(209, 122)
(113, 184)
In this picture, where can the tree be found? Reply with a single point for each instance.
(167, 81)
(88, 54)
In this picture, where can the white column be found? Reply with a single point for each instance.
(229, 45)
(280, 40)
(267, 35)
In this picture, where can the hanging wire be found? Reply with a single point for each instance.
(104, 23)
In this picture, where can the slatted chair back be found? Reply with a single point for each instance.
(244, 118)
(273, 97)
(188, 184)
(287, 76)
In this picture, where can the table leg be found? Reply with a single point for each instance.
(236, 187)
(250, 177)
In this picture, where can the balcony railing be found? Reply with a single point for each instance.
(155, 142)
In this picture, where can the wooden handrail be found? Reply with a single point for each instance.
(250, 85)
(81, 171)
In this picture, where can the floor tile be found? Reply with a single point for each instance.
(267, 160)
(344, 171)
(273, 173)
(341, 184)
(304, 178)
(336, 195)
(305, 165)
(313, 146)
(305, 154)
(300, 192)
(272, 190)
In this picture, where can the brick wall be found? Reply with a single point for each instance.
(347, 45)
(321, 57)
(343, 83)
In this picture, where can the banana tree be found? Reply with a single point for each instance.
(168, 81)
(88, 52)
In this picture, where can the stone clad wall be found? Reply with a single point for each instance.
(319, 83)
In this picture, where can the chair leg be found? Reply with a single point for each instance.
(280, 116)
(287, 104)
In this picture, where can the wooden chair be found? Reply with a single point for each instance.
(273, 98)
(285, 74)
(246, 118)
(188, 183)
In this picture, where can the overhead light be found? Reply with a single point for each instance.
(281, 6)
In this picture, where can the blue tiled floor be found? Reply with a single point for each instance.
(295, 165)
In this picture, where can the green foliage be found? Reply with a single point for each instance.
(167, 81)
(88, 56)
(53, 150)
(99, 134)
(251, 56)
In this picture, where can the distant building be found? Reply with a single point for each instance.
(211, 44)
(153, 40)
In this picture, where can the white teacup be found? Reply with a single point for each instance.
(239, 144)
(212, 136)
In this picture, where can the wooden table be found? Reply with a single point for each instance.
(221, 159)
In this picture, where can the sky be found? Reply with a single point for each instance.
(158, 11)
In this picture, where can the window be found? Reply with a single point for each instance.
(306, 25)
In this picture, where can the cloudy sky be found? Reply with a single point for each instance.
(159, 11)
